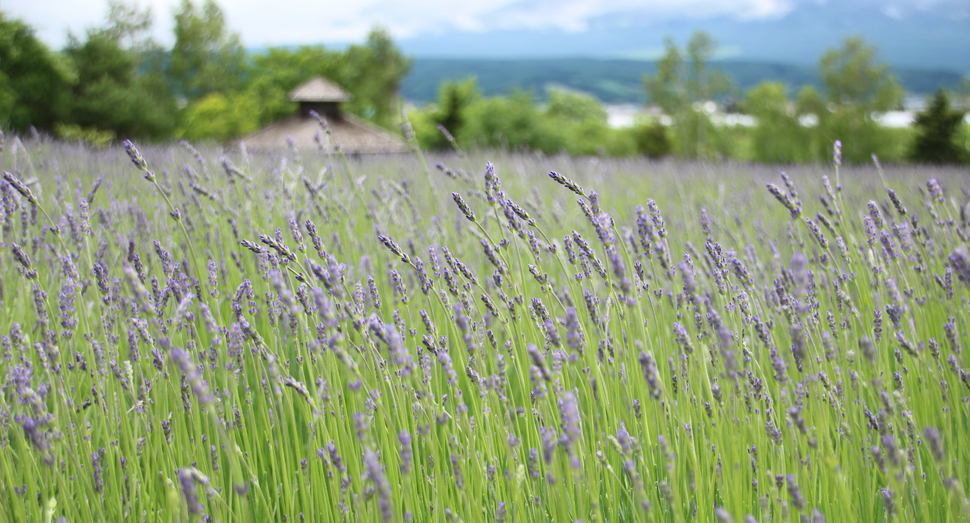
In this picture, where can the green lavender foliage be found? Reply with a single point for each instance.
(290, 336)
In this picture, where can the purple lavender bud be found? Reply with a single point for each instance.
(792, 207)
(492, 256)
(567, 183)
(888, 502)
(299, 387)
(96, 459)
(394, 248)
(574, 330)
(935, 190)
(797, 344)
(649, 367)
(571, 421)
(490, 305)
(683, 338)
(20, 187)
(406, 452)
(183, 361)
(936, 445)
(456, 470)
(658, 221)
(795, 493)
(463, 206)
(189, 491)
(375, 474)
(627, 442)
(837, 153)
(84, 218)
(21, 257)
(722, 515)
(538, 361)
(900, 208)
(819, 237)
(875, 214)
(959, 263)
(335, 457)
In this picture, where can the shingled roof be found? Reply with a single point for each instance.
(352, 134)
(319, 89)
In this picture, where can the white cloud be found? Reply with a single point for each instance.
(331, 21)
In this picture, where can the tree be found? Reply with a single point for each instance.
(856, 86)
(937, 127)
(778, 136)
(853, 78)
(274, 73)
(574, 107)
(34, 82)
(372, 73)
(653, 140)
(112, 93)
(680, 88)
(514, 121)
(129, 26)
(206, 57)
(220, 117)
(454, 101)
(376, 70)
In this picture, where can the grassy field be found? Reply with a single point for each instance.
(304, 337)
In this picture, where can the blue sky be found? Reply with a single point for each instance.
(924, 34)
(286, 22)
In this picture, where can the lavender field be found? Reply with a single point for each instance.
(299, 336)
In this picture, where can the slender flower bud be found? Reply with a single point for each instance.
(792, 206)
(567, 183)
(20, 187)
(136, 157)
(463, 206)
(936, 446)
(24, 260)
(394, 248)
(900, 208)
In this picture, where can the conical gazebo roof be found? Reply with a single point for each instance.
(319, 89)
(352, 134)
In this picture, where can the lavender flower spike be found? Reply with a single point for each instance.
(20, 187)
(567, 183)
(463, 206)
(138, 160)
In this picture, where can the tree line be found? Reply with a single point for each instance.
(685, 86)
(116, 82)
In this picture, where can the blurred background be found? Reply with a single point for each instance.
(774, 81)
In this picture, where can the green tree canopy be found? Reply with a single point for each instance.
(34, 81)
(679, 84)
(275, 72)
(455, 99)
(574, 107)
(206, 57)
(114, 92)
(372, 73)
(856, 86)
(778, 136)
(111, 95)
(938, 126)
(854, 79)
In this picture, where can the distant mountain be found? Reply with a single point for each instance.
(619, 81)
(931, 35)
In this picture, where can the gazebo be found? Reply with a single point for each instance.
(354, 135)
